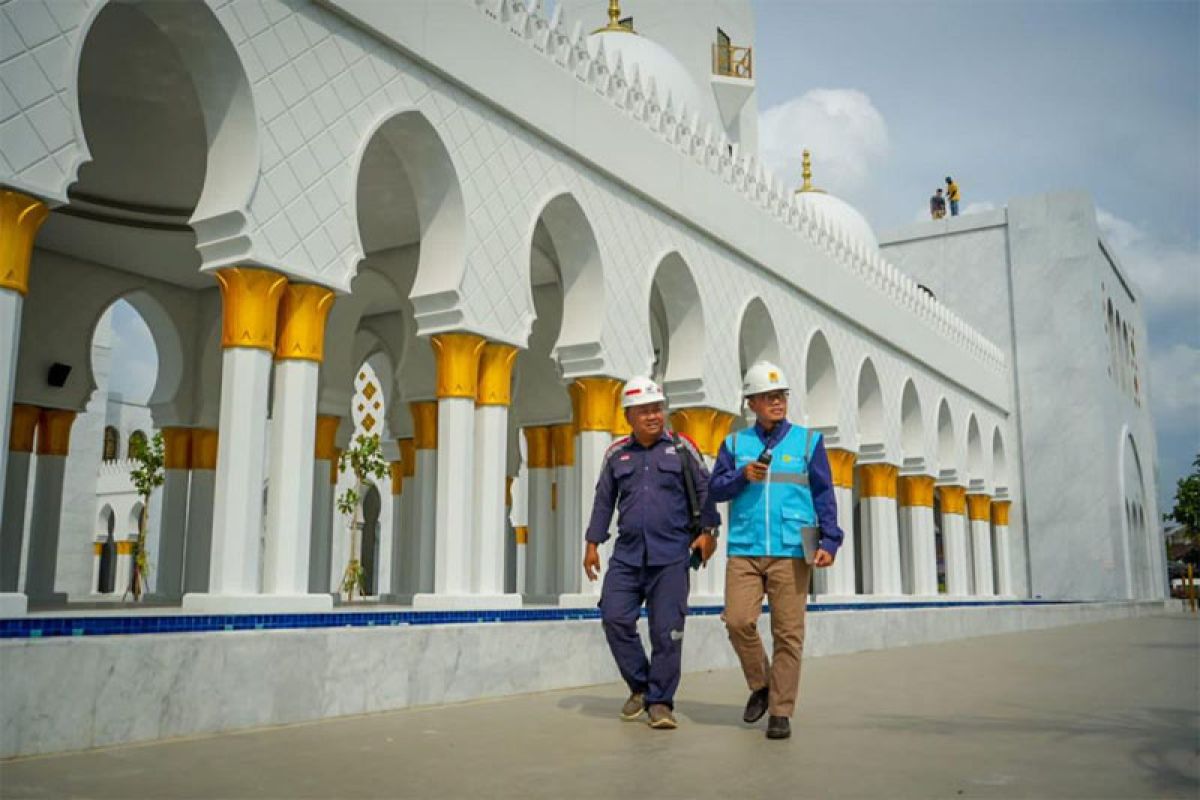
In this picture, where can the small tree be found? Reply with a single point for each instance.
(364, 460)
(1187, 505)
(146, 476)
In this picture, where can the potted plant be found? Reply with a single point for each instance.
(364, 460)
(146, 476)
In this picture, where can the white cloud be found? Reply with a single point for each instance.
(1167, 276)
(134, 364)
(845, 132)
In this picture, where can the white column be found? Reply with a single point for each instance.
(425, 518)
(979, 513)
(591, 446)
(16, 493)
(954, 540)
(320, 545)
(568, 536)
(519, 521)
(543, 550)
(250, 300)
(46, 513)
(881, 536)
(1002, 548)
(201, 491)
(917, 539)
(487, 549)
(396, 535)
(171, 509)
(839, 579)
(123, 569)
(10, 342)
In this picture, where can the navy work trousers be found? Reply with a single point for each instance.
(664, 590)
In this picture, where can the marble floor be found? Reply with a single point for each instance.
(1103, 710)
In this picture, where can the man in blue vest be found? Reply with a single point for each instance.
(782, 522)
(643, 475)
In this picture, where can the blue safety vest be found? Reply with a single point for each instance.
(773, 517)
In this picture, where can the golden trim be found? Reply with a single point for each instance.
(177, 448)
(23, 432)
(806, 174)
(54, 432)
(722, 422)
(979, 507)
(554, 496)
(953, 499)
(841, 466)
(1000, 512)
(495, 374)
(249, 306)
(97, 548)
(614, 20)
(697, 424)
(522, 534)
(595, 401)
(877, 480)
(20, 218)
(333, 466)
(396, 469)
(303, 311)
(325, 442)
(457, 356)
(425, 424)
(915, 491)
(538, 452)
(204, 448)
(125, 547)
(408, 455)
(508, 482)
(562, 444)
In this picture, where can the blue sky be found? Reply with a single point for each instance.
(1012, 98)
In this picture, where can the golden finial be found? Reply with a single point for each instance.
(806, 174)
(614, 19)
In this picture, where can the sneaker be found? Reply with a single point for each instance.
(779, 728)
(756, 706)
(633, 707)
(661, 717)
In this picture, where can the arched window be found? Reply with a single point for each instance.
(112, 443)
(136, 439)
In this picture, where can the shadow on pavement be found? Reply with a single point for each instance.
(697, 712)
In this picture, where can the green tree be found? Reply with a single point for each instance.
(1187, 504)
(364, 460)
(146, 476)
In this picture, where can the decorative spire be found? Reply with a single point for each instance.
(614, 19)
(806, 173)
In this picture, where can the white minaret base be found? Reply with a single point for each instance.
(919, 550)
(542, 549)
(44, 523)
(881, 556)
(839, 579)
(954, 550)
(238, 493)
(981, 539)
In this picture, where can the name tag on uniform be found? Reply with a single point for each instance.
(625, 457)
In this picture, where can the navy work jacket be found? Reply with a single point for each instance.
(645, 484)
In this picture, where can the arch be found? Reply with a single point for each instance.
(407, 191)
(675, 297)
(137, 439)
(999, 463)
(168, 356)
(563, 225)
(135, 515)
(757, 339)
(112, 445)
(912, 424)
(106, 576)
(372, 508)
(1140, 579)
(191, 105)
(822, 395)
(975, 467)
(871, 429)
(106, 521)
(946, 449)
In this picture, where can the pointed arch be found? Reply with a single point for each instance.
(999, 463)
(976, 471)
(822, 393)
(871, 429)
(946, 450)
(912, 424)
(757, 338)
(675, 302)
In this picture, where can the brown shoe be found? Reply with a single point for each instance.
(633, 707)
(661, 717)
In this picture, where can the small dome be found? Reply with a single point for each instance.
(653, 61)
(841, 214)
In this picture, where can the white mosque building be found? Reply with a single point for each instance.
(485, 216)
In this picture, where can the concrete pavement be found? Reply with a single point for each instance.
(1105, 710)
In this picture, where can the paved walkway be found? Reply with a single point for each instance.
(1108, 710)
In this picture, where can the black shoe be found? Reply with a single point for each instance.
(779, 728)
(756, 706)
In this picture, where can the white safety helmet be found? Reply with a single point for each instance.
(640, 392)
(763, 376)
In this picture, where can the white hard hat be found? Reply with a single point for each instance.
(763, 376)
(641, 392)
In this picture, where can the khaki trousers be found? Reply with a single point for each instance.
(785, 582)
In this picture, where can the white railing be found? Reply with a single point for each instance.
(711, 149)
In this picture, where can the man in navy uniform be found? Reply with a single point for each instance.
(643, 477)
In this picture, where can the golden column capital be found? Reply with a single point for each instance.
(204, 448)
(125, 547)
(396, 468)
(325, 442)
(877, 480)
(249, 306)
(595, 401)
(495, 374)
(177, 448)
(537, 447)
(697, 424)
(54, 432)
(562, 442)
(841, 465)
(722, 422)
(97, 548)
(916, 490)
(24, 428)
(1000, 510)
(303, 310)
(408, 456)
(522, 534)
(425, 424)
(979, 507)
(953, 499)
(620, 426)
(457, 356)
(20, 218)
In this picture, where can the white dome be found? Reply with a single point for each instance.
(841, 214)
(653, 61)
